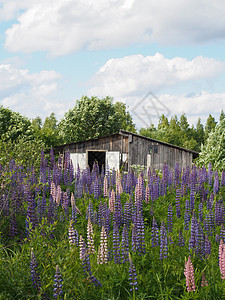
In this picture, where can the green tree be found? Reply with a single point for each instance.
(214, 148)
(91, 118)
(49, 131)
(199, 134)
(210, 125)
(14, 126)
(126, 121)
(150, 131)
(222, 115)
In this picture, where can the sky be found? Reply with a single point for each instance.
(158, 57)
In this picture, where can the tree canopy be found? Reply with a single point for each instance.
(94, 117)
(176, 131)
(214, 148)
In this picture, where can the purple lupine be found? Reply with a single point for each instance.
(170, 218)
(125, 245)
(178, 195)
(118, 214)
(35, 277)
(210, 175)
(181, 241)
(57, 284)
(132, 276)
(163, 241)
(207, 246)
(200, 211)
(127, 214)
(216, 184)
(222, 182)
(140, 233)
(100, 215)
(31, 211)
(155, 233)
(107, 218)
(192, 198)
(222, 233)
(210, 201)
(219, 213)
(116, 244)
(187, 215)
(200, 243)
(134, 238)
(194, 233)
(13, 226)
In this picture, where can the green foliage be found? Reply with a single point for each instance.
(14, 126)
(214, 148)
(176, 132)
(92, 118)
(24, 152)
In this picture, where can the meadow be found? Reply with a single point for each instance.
(111, 235)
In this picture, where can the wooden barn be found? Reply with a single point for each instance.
(124, 149)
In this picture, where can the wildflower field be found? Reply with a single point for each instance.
(111, 235)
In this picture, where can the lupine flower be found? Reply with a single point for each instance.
(147, 194)
(200, 213)
(102, 256)
(204, 281)
(125, 245)
(178, 194)
(194, 233)
(116, 244)
(112, 201)
(57, 284)
(207, 246)
(35, 277)
(155, 233)
(187, 215)
(105, 189)
(181, 241)
(132, 275)
(90, 239)
(163, 241)
(222, 259)
(189, 274)
(170, 218)
(82, 248)
(73, 235)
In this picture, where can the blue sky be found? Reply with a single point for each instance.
(157, 57)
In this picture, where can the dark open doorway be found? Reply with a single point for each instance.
(96, 156)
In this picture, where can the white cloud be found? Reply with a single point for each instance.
(64, 26)
(148, 110)
(32, 94)
(136, 74)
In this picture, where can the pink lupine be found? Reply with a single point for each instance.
(147, 194)
(102, 256)
(189, 274)
(53, 190)
(58, 195)
(90, 239)
(204, 281)
(82, 248)
(119, 188)
(222, 259)
(112, 200)
(105, 189)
